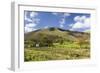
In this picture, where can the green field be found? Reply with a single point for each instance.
(56, 44)
(43, 54)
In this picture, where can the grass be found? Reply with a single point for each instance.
(56, 45)
(55, 53)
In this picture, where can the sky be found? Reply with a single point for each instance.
(34, 20)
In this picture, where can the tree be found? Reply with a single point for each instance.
(52, 29)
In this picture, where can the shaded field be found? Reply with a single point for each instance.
(51, 53)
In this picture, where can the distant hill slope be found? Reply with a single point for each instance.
(66, 34)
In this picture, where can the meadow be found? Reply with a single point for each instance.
(56, 44)
(44, 54)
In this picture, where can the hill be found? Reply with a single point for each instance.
(55, 35)
(56, 44)
(66, 34)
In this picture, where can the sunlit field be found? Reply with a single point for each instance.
(44, 54)
(67, 45)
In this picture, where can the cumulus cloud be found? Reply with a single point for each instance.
(63, 19)
(33, 14)
(62, 22)
(29, 27)
(81, 22)
(26, 29)
(26, 18)
(80, 18)
(32, 18)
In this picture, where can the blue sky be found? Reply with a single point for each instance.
(34, 20)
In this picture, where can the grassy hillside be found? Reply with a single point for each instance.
(56, 44)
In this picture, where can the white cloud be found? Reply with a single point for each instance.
(54, 13)
(29, 27)
(32, 17)
(77, 18)
(87, 22)
(26, 18)
(46, 27)
(63, 15)
(62, 21)
(80, 23)
(26, 29)
(33, 14)
(77, 25)
(66, 14)
(61, 26)
(33, 21)
(80, 18)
